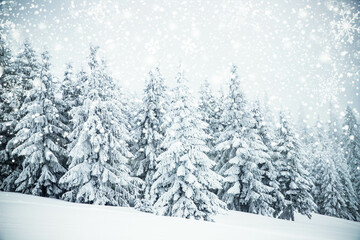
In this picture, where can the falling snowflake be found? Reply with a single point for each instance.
(328, 90)
(152, 46)
(345, 28)
(188, 46)
(238, 13)
(336, 5)
(95, 11)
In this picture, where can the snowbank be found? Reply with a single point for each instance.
(30, 217)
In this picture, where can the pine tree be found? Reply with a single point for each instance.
(269, 115)
(37, 136)
(131, 108)
(27, 66)
(7, 108)
(18, 81)
(303, 128)
(306, 136)
(184, 179)
(270, 174)
(98, 171)
(218, 125)
(150, 131)
(294, 180)
(342, 168)
(351, 146)
(68, 95)
(70, 92)
(270, 138)
(244, 159)
(208, 109)
(328, 187)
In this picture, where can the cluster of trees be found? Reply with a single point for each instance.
(83, 139)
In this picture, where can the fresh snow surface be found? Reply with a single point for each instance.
(29, 217)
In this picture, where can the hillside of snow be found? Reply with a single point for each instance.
(30, 217)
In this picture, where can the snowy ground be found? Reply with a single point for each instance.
(30, 217)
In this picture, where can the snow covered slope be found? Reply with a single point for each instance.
(30, 217)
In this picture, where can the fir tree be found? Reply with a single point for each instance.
(294, 180)
(306, 136)
(8, 106)
(67, 97)
(132, 105)
(151, 133)
(351, 146)
(98, 171)
(37, 136)
(208, 110)
(244, 158)
(16, 83)
(270, 174)
(27, 66)
(328, 187)
(69, 91)
(184, 179)
(269, 116)
(341, 166)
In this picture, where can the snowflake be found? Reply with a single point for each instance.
(97, 12)
(236, 14)
(188, 46)
(152, 47)
(327, 90)
(336, 5)
(345, 29)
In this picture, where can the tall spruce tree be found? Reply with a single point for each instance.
(327, 184)
(351, 146)
(20, 76)
(7, 79)
(270, 174)
(27, 67)
(8, 106)
(342, 168)
(131, 103)
(306, 136)
(37, 136)
(150, 131)
(70, 92)
(208, 109)
(243, 157)
(184, 179)
(294, 180)
(98, 171)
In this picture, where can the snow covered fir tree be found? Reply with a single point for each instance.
(150, 133)
(38, 135)
(243, 159)
(294, 181)
(98, 151)
(184, 180)
(83, 137)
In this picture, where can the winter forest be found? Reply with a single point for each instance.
(82, 136)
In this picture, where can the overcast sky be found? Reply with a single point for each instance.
(299, 52)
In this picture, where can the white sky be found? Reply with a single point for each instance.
(299, 52)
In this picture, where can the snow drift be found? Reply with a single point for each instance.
(30, 217)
